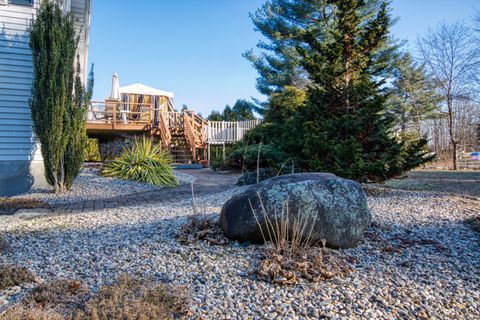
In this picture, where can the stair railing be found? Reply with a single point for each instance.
(188, 126)
(164, 127)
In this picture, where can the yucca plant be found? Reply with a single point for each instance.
(144, 162)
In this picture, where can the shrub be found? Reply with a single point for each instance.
(92, 151)
(253, 177)
(144, 162)
(59, 101)
(111, 150)
(257, 155)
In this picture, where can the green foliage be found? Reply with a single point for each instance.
(284, 105)
(92, 151)
(253, 177)
(345, 127)
(58, 102)
(283, 23)
(340, 123)
(242, 110)
(215, 116)
(413, 97)
(263, 156)
(144, 162)
(77, 139)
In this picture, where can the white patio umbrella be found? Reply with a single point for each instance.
(115, 93)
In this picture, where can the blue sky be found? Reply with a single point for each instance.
(194, 48)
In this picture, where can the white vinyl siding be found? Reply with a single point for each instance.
(16, 75)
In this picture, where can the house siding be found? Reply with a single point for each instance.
(21, 165)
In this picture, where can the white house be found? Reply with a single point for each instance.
(20, 160)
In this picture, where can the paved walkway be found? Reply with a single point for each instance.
(208, 182)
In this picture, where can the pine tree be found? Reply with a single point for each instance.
(57, 104)
(414, 97)
(345, 128)
(283, 23)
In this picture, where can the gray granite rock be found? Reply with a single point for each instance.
(335, 208)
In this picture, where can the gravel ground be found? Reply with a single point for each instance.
(466, 183)
(418, 260)
(89, 183)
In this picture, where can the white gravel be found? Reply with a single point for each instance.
(89, 185)
(418, 260)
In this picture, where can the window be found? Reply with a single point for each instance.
(21, 2)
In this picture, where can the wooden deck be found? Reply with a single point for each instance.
(185, 134)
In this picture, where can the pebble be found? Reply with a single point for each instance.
(89, 182)
(440, 280)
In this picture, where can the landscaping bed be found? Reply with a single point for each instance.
(90, 185)
(418, 259)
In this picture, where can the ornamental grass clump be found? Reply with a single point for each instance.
(291, 254)
(200, 227)
(144, 162)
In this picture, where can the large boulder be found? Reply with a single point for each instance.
(336, 207)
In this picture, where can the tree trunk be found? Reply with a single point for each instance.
(450, 129)
(454, 156)
(60, 180)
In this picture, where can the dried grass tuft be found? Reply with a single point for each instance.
(201, 227)
(133, 298)
(128, 299)
(318, 264)
(11, 275)
(63, 297)
(291, 253)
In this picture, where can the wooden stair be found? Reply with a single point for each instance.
(180, 149)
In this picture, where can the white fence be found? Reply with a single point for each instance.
(220, 132)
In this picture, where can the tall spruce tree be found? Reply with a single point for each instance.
(283, 24)
(58, 100)
(344, 126)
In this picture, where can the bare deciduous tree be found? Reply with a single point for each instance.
(452, 55)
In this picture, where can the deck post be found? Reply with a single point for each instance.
(208, 154)
(223, 152)
(114, 116)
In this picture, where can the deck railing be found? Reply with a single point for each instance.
(219, 132)
(115, 115)
(118, 114)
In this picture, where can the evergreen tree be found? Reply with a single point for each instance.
(228, 114)
(57, 107)
(215, 116)
(243, 110)
(345, 129)
(283, 23)
(77, 111)
(414, 97)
